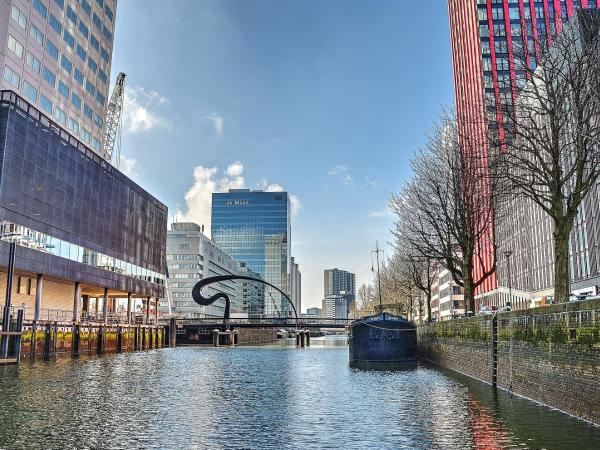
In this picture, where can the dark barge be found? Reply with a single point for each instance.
(383, 341)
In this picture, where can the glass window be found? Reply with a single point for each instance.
(85, 135)
(100, 2)
(89, 87)
(60, 115)
(74, 126)
(66, 64)
(95, 143)
(60, 3)
(37, 34)
(63, 89)
(107, 34)
(51, 49)
(76, 101)
(108, 13)
(81, 53)
(94, 42)
(92, 64)
(30, 92)
(18, 17)
(83, 29)
(98, 120)
(69, 39)
(104, 54)
(11, 76)
(40, 7)
(46, 104)
(15, 46)
(87, 8)
(33, 62)
(100, 98)
(102, 76)
(87, 111)
(96, 20)
(49, 76)
(55, 24)
(71, 15)
(78, 76)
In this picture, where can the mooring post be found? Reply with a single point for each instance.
(297, 338)
(100, 339)
(494, 351)
(236, 338)
(33, 339)
(76, 340)
(215, 334)
(303, 338)
(47, 340)
(172, 332)
(307, 336)
(18, 338)
(119, 338)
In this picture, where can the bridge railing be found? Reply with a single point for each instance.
(269, 321)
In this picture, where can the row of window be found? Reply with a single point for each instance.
(42, 9)
(59, 114)
(48, 244)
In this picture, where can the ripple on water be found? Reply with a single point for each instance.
(264, 397)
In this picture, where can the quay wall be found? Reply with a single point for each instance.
(51, 339)
(549, 354)
(256, 336)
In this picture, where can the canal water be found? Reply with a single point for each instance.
(275, 397)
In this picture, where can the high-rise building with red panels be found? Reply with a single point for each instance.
(491, 40)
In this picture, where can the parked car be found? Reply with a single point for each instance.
(485, 310)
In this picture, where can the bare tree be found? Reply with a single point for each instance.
(445, 212)
(549, 139)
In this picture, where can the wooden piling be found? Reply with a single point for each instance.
(215, 338)
(76, 340)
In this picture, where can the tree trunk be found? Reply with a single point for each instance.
(468, 286)
(562, 288)
(428, 307)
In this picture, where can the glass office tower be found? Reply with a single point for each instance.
(254, 228)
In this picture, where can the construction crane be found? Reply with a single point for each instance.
(113, 122)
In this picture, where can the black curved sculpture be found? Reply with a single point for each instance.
(205, 301)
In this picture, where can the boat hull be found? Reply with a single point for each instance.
(383, 341)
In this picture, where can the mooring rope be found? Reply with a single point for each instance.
(383, 328)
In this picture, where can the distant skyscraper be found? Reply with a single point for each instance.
(336, 282)
(296, 285)
(57, 55)
(254, 228)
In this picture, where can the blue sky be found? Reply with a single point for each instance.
(324, 98)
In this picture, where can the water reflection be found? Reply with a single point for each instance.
(268, 397)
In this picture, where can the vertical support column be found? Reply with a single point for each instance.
(96, 309)
(129, 308)
(494, 351)
(86, 305)
(76, 339)
(173, 332)
(215, 337)
(7, 300)
(119, 339)
(105, 306)
(147, 311)
(307, 336)
(47, 340)
(39, 287)
(76, 298)
(18, 338)
(156, 300)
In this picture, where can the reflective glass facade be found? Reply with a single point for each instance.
(254, 228)
(63, 199)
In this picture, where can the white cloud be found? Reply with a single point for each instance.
(139, 110)
(198, 198)
(341, 171)
(217, 122)
(129, 166)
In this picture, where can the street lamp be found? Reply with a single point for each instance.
(507, 253)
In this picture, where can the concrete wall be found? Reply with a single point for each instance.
(550, 354)
(256, 336)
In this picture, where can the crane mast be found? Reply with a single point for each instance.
(113, 121)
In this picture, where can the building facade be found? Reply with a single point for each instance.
(191, 256)
(85, 233)
(254, 227)
(57, 55)
(336, 282)
(337, 306)
(493, 42)
(296, 285)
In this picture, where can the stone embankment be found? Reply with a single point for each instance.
(549, 354)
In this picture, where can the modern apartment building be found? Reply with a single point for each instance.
(337, 306)
(191, 256)
(336, 282)
(296, 285)
(57, 55)
(493, 41)
(254, 227)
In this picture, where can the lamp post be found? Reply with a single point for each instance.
(507, 253)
